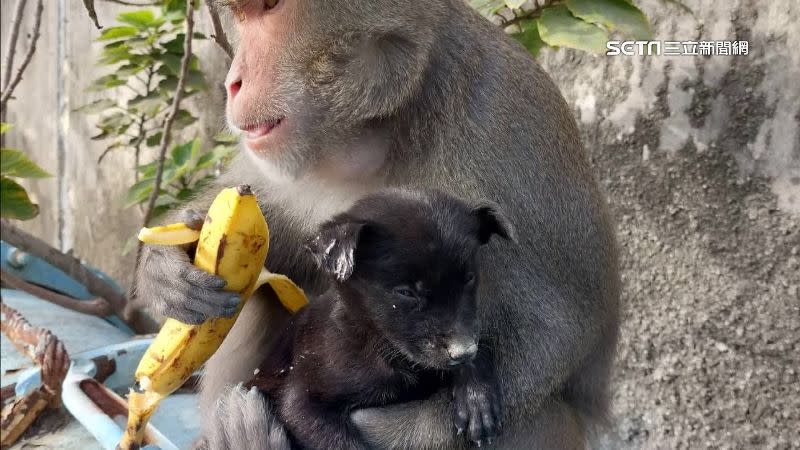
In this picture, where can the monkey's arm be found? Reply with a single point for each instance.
(317, 426)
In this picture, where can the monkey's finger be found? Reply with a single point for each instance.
(212, 303)
(201, 278)
(192, 218)
(184, 315)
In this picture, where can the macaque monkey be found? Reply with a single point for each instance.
(398, 324)
(337, 99)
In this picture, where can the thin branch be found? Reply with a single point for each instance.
(528, 14)
(176, 104)
(104, 154)
(67, 263)
(165, 138)
(95, 307)
(219, 34)
(11, 47)
(9, 89)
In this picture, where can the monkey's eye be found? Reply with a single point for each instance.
(269, 4)
(405, 291)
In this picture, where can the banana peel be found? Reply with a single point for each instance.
(232, 244)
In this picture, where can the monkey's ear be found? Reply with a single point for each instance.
(491, 220)
(334, 248)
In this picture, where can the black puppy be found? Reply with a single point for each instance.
(398, 324)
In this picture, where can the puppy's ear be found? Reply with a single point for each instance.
(491, 220)
(334, 248)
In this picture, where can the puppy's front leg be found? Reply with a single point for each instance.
(477, 402)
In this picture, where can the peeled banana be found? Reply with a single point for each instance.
(172, 234)
(233, 244)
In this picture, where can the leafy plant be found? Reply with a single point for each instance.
(144, 50)
(579, 24)
(14, 200)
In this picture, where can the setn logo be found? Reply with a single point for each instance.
(631, 48)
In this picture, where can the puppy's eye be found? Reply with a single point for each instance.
(405, 291)
(269, 4)
(469, 278)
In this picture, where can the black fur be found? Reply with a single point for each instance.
(398, 325)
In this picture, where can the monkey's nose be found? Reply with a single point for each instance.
(462, 350)
(233, 88)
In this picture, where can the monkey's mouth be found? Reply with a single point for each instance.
(259, 130)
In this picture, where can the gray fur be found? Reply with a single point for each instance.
(461, 107)
(252, 423)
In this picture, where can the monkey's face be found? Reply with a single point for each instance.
(312, 78)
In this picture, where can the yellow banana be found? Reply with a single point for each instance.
(233, 244)
(172, 234)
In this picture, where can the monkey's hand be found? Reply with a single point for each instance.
(173, 286)
(242, 419)
(476, 404)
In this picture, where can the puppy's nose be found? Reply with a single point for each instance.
(462, 350)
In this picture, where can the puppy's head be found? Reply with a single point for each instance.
(408, 262)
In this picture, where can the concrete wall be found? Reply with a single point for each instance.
(700, 157)
(701, 161)
(81, 206)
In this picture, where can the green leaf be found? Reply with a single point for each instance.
(106, 82)
(616, 15)
(5, 127)
(154, 140)
(225, 137)
(172, 62)
(183, 153)
(14, 163)
(116, 121)
(184, 119)
(513, 4)
(185, 194)
(139, 192)
(160, 210)
(488, 8)
(130, 244)
(149, 104)
(14, 201)
(141, 19)
(113, 33)
(97, 106)
(559, 28)
(115, 53)
(529, 37)
(219, 153)
(175, 45)
(195, 80)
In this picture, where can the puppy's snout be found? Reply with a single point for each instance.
(462, 350)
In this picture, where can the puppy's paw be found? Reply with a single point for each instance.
(476, 409)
